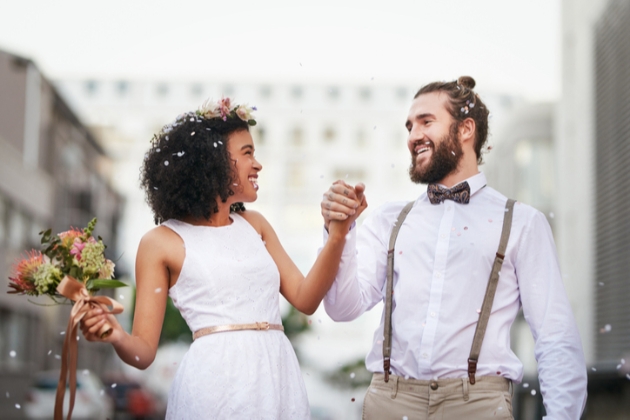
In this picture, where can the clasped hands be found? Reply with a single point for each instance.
(342, 204)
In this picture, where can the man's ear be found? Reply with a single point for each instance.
(467, 129)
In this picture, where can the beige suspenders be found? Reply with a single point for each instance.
(487, 301)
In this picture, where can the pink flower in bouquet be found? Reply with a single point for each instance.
(23, 279)
(69, 237)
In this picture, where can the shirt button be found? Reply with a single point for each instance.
(434, 385)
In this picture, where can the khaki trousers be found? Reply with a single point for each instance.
(445, 399)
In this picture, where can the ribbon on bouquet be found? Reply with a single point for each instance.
(83, 302)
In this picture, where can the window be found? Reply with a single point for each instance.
(122, 87)
(91, 87)
(330, 135)
(265, 92)
(333, 92)
(403, 94)
(17, 229)
(297, 92)
(365, 94)
(297, 137)
(260, 134)
(361, 138)
(3, 220)
(162, 89)
(228, 90)
(196, 89)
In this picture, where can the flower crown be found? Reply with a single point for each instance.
(208, 110)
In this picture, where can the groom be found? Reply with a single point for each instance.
(444, 352)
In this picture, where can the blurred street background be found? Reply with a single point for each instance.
(84, 85)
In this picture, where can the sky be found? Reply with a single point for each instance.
(508, 46)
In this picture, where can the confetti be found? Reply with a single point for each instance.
(465, 227)
(352, 399)
(533, 392)
(137, 358)
(7, 394)
(352, 375)
(619, 366)
(12, 353)
(166, 163)
(405, 418)
(62, 333)
(49, 351)
(628, 375)
(215, 144)
(594, 369)
(158, 150)
(453, 153)
(58, 357)
(551, 214)
(121, 296)
(525, 385)
(220, 142)
(158, 290)
(18, 406)
(166, 138)
(114, 385)
(601, 283)
(490, 220)
(86, 372)
(102, 392)
(192, 134)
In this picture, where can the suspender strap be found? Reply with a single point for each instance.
(387, 333)
(482, 324)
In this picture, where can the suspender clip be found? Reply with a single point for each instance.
(472, 369)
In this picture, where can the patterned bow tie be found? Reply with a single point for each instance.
(460, 193)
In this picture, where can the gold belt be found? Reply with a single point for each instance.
(260, 326)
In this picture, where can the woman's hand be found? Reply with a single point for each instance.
(94, 321)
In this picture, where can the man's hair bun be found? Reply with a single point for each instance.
(466, 81)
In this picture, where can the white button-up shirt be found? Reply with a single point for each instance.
(443, 259)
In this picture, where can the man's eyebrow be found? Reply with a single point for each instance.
(425, 115)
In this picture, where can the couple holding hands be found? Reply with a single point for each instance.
(453, 267)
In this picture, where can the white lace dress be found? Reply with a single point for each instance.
(228, 277)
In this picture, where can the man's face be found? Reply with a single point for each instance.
(433, 140)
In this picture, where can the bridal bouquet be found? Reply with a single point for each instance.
(75, 254)
(72, 265)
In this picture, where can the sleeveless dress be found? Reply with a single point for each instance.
(228, 277)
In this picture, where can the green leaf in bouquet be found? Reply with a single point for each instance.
(46, 235)
(105, 284)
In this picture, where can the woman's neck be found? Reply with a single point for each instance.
(220, 218)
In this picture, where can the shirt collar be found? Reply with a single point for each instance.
(475, 182)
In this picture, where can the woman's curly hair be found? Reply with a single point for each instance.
(188, 167)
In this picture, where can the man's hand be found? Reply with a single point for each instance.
(342, 202)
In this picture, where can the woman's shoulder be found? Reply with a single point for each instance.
(159, 236)
(254, 218)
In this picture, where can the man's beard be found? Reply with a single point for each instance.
(444, 160)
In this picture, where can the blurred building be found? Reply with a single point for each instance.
(579, 156)
(53, 174)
